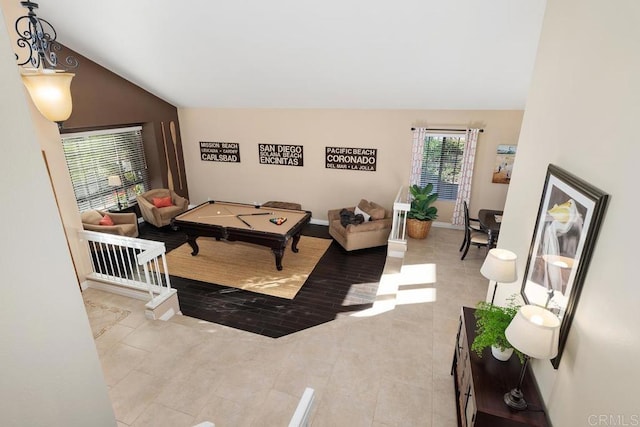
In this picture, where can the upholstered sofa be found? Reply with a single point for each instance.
(374, 231)
(157, 213)
(124, 224)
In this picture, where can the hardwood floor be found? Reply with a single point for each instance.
(341, 282)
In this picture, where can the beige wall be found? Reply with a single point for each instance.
(582, 114)
(318, 188)
(50, 369)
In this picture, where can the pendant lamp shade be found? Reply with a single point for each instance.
(51, 94)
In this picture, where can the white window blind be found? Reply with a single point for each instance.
(442, 163)
(94, 156)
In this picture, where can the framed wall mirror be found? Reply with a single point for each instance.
(569, 218)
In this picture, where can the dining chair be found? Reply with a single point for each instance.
(473, 233)
(474, 223)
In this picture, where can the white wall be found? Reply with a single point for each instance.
(315, 187)
(582, 115)
(48, 136)
(50, 369)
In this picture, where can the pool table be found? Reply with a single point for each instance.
(245, 223)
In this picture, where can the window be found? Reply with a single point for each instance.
(92, 157)
(442, 163)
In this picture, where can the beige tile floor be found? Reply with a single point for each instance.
(389, 366)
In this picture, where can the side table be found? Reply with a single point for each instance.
(133, 207)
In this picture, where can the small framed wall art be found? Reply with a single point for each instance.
(504, 164)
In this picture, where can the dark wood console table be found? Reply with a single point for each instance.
(480, 384)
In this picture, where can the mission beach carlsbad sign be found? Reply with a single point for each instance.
(355, 159)
(220, 152)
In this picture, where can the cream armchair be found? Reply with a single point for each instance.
(124, 224)
(369, 234)
(161, 216)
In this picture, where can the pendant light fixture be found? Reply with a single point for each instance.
(48, 85)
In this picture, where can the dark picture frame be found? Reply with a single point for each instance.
(569, 219)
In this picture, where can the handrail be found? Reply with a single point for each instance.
(129, 262)
(401, 206)
(301, 417)
(397, 238)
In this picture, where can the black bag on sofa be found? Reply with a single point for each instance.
(347, 217)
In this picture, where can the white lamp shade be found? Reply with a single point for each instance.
(51, 94)
(500, 265)
(114, 181)
(535, 332)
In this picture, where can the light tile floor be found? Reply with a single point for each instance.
(388, 366)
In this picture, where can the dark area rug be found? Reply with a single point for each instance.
(341, 282)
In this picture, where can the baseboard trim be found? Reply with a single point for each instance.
(119, 290)
(447, 225)
(319, 221)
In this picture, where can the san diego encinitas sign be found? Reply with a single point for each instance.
(281, 154)
(355, 159)
(220, 151)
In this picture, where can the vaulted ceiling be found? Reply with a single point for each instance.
(405, 54)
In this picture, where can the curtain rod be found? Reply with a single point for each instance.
(449, 130)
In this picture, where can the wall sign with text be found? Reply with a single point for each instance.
(355, 159)
(220, 152)
(281, 154)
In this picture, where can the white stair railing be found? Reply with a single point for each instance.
(302, 416)
(136, 264)
(398, 239)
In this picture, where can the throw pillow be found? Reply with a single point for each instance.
(376, 211)
(92, 217)
(359, 211)
(162, 202)
(106, 220)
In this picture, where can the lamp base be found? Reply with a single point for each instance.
(515, 400)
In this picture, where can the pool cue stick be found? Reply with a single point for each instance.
(174, 138)
(222, 216)
(248, 225)
(166, 155)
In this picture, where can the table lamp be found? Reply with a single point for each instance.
(114, 181)
(534, 331)
(499, 266)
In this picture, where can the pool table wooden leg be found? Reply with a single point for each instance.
(278, 253)
(194, 246)
(294, 243)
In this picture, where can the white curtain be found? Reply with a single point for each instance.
(466, 175)
(417, 154)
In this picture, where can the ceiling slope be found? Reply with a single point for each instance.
(411, 54)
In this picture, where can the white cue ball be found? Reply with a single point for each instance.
(218, 212)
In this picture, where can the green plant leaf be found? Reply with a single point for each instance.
(422, 199)
(491, 322)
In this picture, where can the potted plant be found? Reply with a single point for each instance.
(491, 322)
(421, 212)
